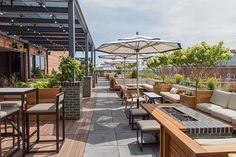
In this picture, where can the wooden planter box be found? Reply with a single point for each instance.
(204, 96)
(162, 87)
(189, 101)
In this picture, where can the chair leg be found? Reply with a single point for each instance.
(38, 129)
(129, 118)
(18, 129)
(13, 131)
(57, 132)
(141, 141)
(63, 122)
(27, 133)
(132, 122)
(0, 143)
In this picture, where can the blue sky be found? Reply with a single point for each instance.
(184, 21)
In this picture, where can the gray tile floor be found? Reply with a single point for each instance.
(110, 135)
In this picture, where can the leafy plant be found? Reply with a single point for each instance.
(188, 93)
(91, 68)
(178, 78)
(134, 74)
(71, 69)
(38, 72)
(159, 64)
(212, 83)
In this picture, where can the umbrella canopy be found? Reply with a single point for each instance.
(124, 56)
(138, 45)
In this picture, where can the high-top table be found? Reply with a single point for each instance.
(21, 92)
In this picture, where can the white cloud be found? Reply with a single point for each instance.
(186, 21)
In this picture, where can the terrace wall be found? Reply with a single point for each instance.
(54, 60)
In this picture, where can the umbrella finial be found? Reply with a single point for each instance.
(137, 33)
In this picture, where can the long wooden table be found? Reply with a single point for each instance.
(174, 142)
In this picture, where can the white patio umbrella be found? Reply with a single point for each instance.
(138, 45)
(124, 57)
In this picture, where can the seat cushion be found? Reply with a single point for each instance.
(148, 125)
(220, 98)
(138, 112)
(43, 108)
(225, 114)
(232, 102)
(11, 103)
(208, 107)
(148, 87)
(134, 100)
(174, 90)
(6, 111)
(219, 141)
(172, 97)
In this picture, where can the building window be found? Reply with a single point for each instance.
(37, 65)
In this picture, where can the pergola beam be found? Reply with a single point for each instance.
(36, 20)
(36, 28)
(34, 9)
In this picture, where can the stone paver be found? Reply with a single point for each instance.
(110, 133)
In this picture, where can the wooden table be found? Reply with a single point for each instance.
(21, 92)
(175, 142)
(152, 97)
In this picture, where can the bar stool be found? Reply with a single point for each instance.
(136, 113)
(147, 126)
(7, 114)
(46, 109)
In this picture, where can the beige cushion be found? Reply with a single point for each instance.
(43, 108)
(225, 114)
(220, 98)
(5, 111)
(219, 141)
(172, 97)
(232, 101)
(207, 107)
(150, 81)
(148, 87)
(234, 120)
(148, 125)
(174, 90)
(138, 112)
(134, 100)
(11, 103)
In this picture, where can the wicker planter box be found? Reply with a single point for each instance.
(189, 101)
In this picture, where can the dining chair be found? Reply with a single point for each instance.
(7, 114)
(46, 109)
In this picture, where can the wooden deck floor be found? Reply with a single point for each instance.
(76, 134)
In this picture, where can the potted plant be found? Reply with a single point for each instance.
(178, 78)
(72, 74)
(201, 57)
(92, 70)
(188, 99)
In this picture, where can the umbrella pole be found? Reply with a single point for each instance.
(137, 61)
(124, 71)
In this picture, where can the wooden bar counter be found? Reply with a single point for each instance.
(174, 142)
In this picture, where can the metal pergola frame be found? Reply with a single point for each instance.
(48, 24)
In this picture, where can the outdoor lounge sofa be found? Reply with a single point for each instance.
(221, 105)
(147, 84)
(173, 95)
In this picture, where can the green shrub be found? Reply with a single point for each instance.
(178, 78)
(188, 93)
(71, 69)
(212, 83)
(134, 74)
